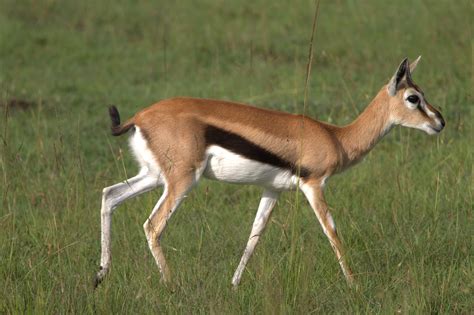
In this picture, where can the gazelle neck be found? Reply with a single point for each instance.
(359, 137)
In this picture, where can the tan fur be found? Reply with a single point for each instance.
(175, 128)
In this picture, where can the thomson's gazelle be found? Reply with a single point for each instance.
(179, 140)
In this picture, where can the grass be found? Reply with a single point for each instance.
(404, 213)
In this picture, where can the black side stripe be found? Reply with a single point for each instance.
(244, 147)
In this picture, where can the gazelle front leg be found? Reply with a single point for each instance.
(314, 194)
(267, 203)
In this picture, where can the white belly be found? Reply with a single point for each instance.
(227, 166)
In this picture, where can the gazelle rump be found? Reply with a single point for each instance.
(177, 141)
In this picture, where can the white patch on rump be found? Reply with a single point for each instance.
(142, 152)
(226, 166)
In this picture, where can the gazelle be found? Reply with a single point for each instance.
(179, 140)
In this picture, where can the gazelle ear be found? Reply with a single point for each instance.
(402, 71)
(414, 63)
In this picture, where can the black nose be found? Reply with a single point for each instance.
(441, 119)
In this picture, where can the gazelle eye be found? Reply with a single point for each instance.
(414, 99)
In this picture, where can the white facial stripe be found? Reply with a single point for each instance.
(411, 91)
(427, 110)
(427, 125)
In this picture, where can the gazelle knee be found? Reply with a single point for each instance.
(150, 233)
(329, 227)
(106, 192)
(331, 222)
(106, 207)
(109, 201)
(146, 228)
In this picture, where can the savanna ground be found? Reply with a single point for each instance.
(404, 214)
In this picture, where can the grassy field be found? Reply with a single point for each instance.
(404, 214)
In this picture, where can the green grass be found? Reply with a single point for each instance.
(404, 214)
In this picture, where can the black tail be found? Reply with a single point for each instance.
(118, 129)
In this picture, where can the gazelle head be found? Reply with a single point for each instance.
(408, 105)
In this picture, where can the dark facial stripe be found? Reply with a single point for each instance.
(423, 112)
(246, 148)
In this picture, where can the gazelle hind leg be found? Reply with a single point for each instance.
(315, 196)
(264, 211)
(154, 226)
(112, 197)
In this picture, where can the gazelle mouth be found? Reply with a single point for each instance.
(436, 129)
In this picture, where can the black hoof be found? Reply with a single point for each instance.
(98, 277)
(97, 281)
